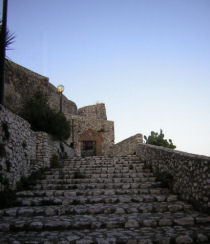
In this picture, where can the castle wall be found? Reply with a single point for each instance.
(21, 82)
(22, 150)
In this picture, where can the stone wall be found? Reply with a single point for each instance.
(126, 147)
(97, 111)
(21, 82)
(190, 173)
(22, 150)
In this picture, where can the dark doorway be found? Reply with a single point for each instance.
(88, 148)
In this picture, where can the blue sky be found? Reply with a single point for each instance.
(147, 60)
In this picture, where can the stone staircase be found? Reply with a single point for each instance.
(105, 201)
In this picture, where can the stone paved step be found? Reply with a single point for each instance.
(144, 185)
(71, 174)
(92, 192)
(102, 200)
(66, 200)
(100, 208)
(105, 170)
(144, 235)
(98, 180)
(109, 221)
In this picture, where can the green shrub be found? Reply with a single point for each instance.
(38, 113)
(158, 140)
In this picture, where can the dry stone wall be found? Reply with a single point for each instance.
(126, 147)
(22, 150)
(21, 82)
(189, 173)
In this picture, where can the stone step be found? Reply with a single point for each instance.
(144, 235)
(92, 192)
(99, 208)
(99, 171)
(67, 200)
(109, 221)
(71, 174)
(103, 163)
(79, 180)
(143, 185)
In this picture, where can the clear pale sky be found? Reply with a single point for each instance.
(147, 60)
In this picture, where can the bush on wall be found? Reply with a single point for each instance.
(158, 140)
(38, 113)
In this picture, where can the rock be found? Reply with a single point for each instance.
(36, 225)
(184, 239)
(4, 227)
(145, 241)
(149, 222)
(119, 210)
(131, 223)
(186, 221)
(165, 222)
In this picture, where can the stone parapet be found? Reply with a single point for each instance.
(189, 173)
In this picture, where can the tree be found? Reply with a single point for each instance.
(38, 113)
(158, 140)
(5, 40)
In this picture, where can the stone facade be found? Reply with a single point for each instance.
(91, 125)
(21, 82)
(22, 150)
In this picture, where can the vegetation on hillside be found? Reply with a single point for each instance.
(158, 140)
(38, 113)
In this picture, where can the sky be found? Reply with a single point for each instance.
(147, 60)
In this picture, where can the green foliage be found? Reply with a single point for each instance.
(158, 140)
(38, 113)
(9, 37)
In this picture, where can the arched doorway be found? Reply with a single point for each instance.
(91, 143)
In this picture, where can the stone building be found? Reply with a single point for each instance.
(91, 132)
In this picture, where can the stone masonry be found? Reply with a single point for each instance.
(102, 200)
(22, 150)
(91, 124)
(22, 82)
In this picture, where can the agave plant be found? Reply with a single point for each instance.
(9, 37)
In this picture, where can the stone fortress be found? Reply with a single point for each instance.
(91, 132)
